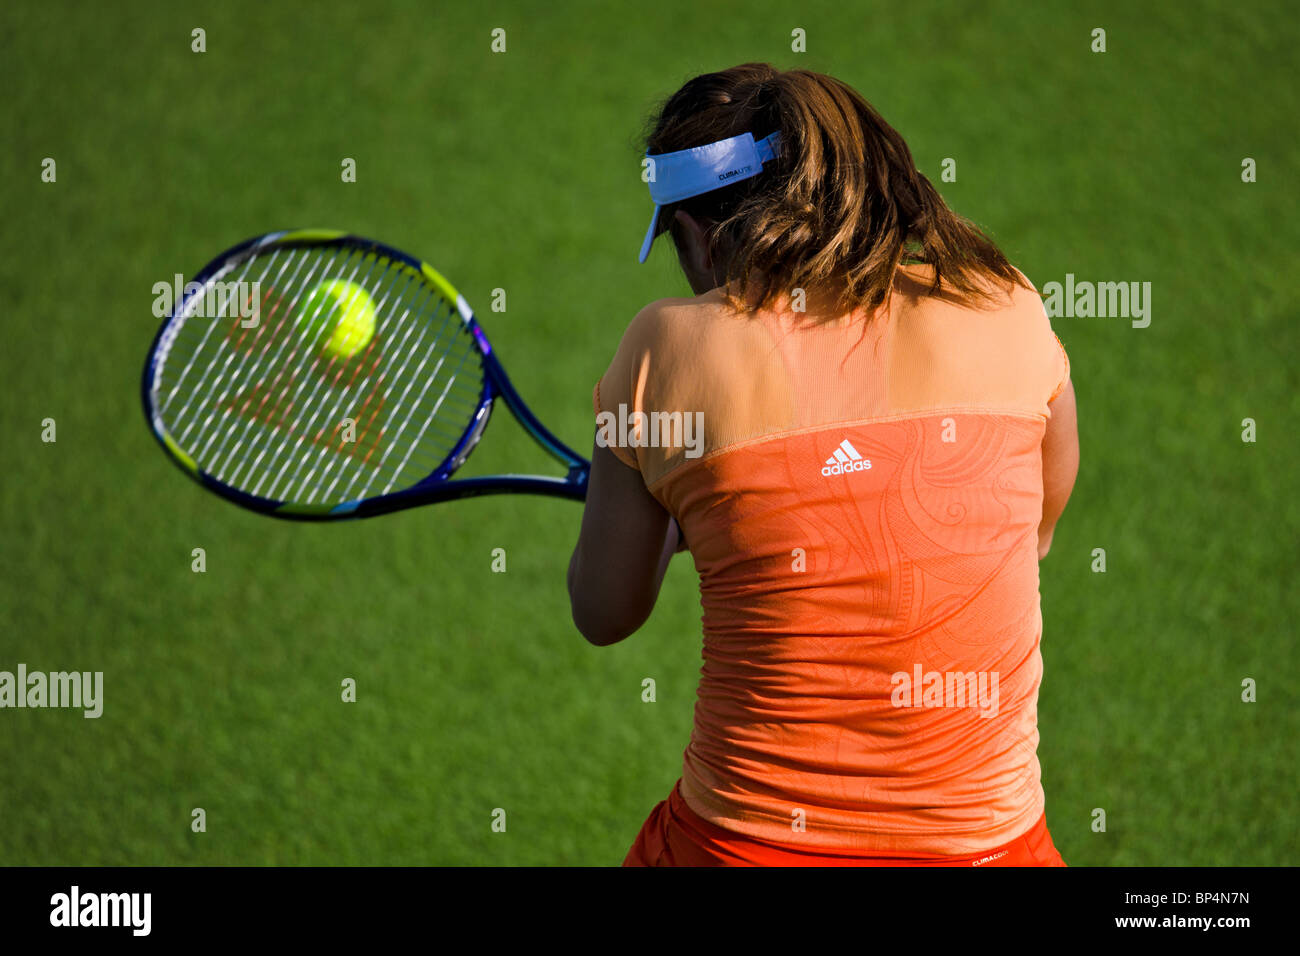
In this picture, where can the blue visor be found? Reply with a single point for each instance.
(691, 172)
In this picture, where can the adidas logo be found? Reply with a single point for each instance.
(845, 460)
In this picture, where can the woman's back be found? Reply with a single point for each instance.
(853, 426)
(863, 513)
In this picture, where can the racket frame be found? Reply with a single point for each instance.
(438, 485)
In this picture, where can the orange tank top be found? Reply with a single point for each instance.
(861, 495)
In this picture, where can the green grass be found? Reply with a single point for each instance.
(519, 171)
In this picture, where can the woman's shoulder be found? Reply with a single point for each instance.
(668, 313)
(688, 324)
(998, 350)
(914, 285)
(1005, 311)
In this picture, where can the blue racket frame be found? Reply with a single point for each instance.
(439, 485)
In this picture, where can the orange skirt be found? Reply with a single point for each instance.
(674, 835)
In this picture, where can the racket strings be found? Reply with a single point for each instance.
(196, 395)
(268, 409)
(271, 389)
(312, 372)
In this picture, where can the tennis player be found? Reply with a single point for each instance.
(888, 441)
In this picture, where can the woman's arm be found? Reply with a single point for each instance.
(1060, 464)
(623, 550)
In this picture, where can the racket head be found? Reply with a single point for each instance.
(287, 407)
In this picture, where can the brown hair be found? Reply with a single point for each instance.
(840, 208)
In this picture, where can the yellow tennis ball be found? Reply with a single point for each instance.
(339, 317)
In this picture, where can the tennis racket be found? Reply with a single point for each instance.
(248, 393)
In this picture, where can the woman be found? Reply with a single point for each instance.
(888, 441)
